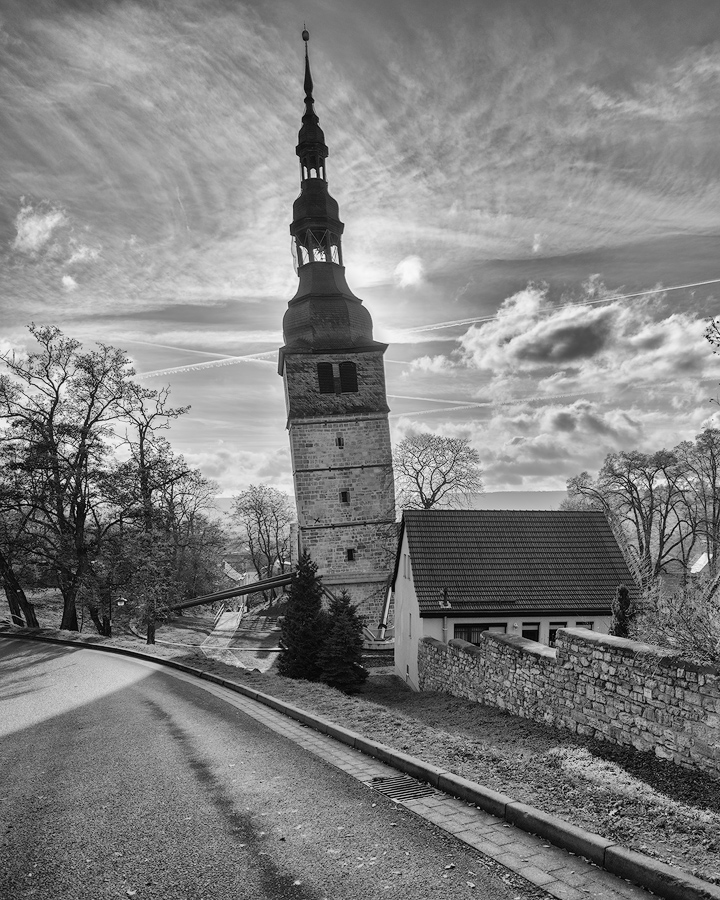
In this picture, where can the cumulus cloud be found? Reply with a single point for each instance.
(408, 272)
(235, 470)
(622, 345)
(36, 227)
(69, 283)
(82, 253)
(436, 364)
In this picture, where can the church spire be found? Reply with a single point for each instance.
(311, 147)
(308, 77)
(316, 227)
(324, 313)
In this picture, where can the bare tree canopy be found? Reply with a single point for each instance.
(71, 508)
(435, 472)
(265, 515)
(664, 507)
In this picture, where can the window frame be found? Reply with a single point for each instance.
(479, 628)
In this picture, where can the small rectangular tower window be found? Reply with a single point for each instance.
(340, 442)
(350, 554)
(348, 378)
(326, 380)
(344, 496)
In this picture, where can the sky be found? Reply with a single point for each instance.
(508, 172)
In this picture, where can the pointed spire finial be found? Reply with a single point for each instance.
(308, 77)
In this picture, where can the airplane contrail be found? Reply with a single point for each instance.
(479, 319)
(425, 399)
(126, 340)
(210, 364)
(263, 357)
(481, 403)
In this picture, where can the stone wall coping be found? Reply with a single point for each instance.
(658, 656)
(650, 654)
(524, 645)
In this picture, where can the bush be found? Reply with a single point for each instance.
(341, 656)
(304, 625)
(687, 621)
(622, 613)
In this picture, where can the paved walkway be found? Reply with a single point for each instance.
(225, 628)
(563, 875)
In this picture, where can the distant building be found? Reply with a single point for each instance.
(335, 395)
(525, 572)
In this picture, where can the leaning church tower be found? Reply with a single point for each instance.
(335, 395)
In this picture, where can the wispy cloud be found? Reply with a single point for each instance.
(475, 147)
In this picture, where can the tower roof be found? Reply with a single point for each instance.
(324, 314)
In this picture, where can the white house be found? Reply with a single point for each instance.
(526, 572)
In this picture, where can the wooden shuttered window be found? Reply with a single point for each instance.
(346, 383)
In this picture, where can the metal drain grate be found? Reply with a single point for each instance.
(401, 787)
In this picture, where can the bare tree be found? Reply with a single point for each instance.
(59, 406)
(265, 515)
(435, 472)
(69, 504)
(645, 499)
(700, 461)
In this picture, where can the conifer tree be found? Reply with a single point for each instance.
(305, 624)
(341, 656)
(622, 613)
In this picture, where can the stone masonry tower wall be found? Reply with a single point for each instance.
(336, 400)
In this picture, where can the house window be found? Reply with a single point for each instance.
(326, 380)
(350, 554)
(531, 631)
(406, 565)
(344, 496)
(553, 630)
(409, 625)
(340, 442)
(588, 625)
(348, 378)
(471, 632)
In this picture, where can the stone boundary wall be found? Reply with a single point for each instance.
(593, 684)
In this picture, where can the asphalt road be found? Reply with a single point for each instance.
(117, 781)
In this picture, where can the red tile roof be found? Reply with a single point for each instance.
(514, 560)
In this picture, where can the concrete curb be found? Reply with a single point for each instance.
(664, 880)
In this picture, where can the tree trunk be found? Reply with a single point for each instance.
(150, 632)
(15, 613)
(23, 607)
(68, 589)
(69, 617)
(102, 626)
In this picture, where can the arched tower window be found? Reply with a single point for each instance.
(348, 378)
(326, 380)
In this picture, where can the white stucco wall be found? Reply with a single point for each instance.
(514, 625)
(408, 624)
